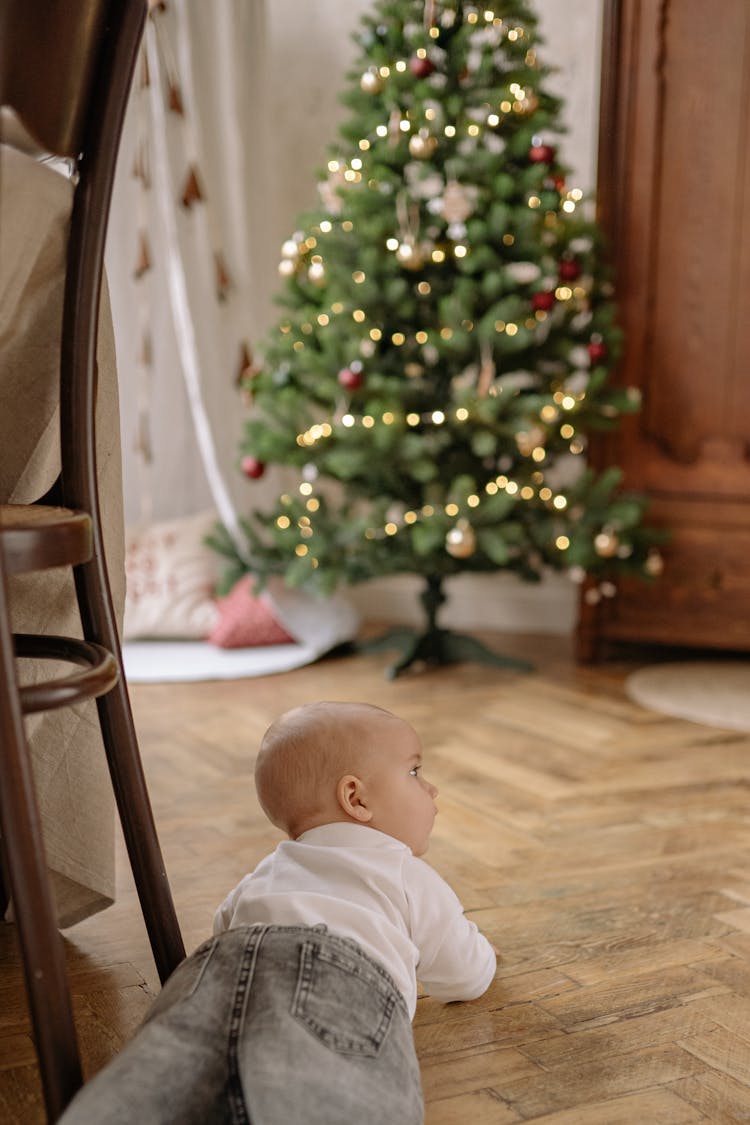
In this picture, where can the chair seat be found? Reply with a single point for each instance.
(38, 536)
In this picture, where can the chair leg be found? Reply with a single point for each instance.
(41, 946)
(126, 771)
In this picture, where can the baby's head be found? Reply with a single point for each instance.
(345, 762)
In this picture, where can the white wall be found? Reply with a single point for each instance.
(290, 59)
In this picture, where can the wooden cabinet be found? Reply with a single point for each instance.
(674, 200)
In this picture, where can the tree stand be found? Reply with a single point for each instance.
(435, 646)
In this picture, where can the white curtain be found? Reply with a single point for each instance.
(259, 85)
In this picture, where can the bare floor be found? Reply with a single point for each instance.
(605, 849)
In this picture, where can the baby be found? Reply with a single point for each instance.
(299, 1009)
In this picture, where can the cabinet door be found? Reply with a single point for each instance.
(674, 200)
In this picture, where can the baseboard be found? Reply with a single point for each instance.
(499, 602)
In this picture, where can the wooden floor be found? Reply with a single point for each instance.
(603, 848)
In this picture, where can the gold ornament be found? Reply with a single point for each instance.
(654, 564)
(528, 440)
(316, 273)
(422, 145)
(461, 542)
(606, 544)
(410, 256)
(371, 82)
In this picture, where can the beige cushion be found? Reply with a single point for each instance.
(72, 778)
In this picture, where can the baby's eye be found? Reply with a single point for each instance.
(415, 771)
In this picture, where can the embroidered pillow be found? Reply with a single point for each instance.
(171, 576)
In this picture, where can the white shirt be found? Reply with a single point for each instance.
(365, 885)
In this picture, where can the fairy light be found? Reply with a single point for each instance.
(534, 202)
(511, 487)
(421, 337)
(473, 501)
(358, 315)
(391, 528)
(567, 402)
(404, 125)
(527, 492)
(300, 550)
(333, 166)
(364, 144)
(388, 418)
(359, 276)
(462, 414)
(563, 292)
(493, 120)
(506, 106)
(452, 510)
(473, 130)
(305, 489)
(566, 431)
(438, 417)
(385, 71)
(401, 66)
(424, 288)
(560, 502)
(562, 542)
(312, 504)
(508, 239)
(545, 494)
(283, 522)
(410, 517)
(412, 419)
(548, 413)
(450, 130)
(298, 345)
(511, 329)
(375, 334)
(398, 339)
(323, 319)
(348, 421)
(460, 250)
(368, 421)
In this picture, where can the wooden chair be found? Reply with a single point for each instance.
(66, 68)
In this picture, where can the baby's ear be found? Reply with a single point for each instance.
(350, 794)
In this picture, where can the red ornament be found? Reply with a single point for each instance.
(421, 67)
(351, 378)
(597, 350)
(570, 269)
(541, 154)
(543, 301)
(559, 183)
(252, 467)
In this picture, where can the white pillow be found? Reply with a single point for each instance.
(171, 577)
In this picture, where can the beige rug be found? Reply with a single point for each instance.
(713, 692)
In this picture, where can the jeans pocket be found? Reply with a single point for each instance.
(343, 1000)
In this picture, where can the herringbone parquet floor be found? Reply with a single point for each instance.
(605, 850)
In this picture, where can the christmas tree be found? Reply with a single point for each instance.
(447, 335)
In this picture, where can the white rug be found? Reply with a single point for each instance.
(715, 693)
(318, 626)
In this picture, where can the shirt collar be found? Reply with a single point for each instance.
(343, 834)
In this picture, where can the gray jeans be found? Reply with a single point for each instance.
(265, 1025)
